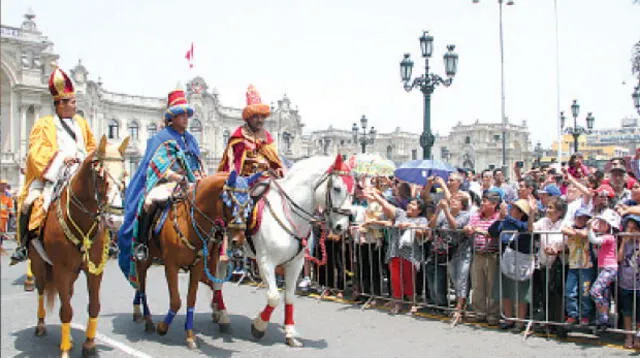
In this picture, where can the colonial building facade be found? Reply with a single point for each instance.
(479, 145)
(28, 56)
(26, 62)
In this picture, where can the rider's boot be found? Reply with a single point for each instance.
(20, 253)
(141, 251)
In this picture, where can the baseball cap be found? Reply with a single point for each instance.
(626, 218)
(582, 212)
(493, 194)
(550, 189)
(610, 217)
(606, 190)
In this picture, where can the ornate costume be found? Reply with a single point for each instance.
(167, 152)
(51, 141)
(246, 152)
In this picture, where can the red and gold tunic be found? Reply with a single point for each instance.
(248, 155)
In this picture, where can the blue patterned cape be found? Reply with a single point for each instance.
(166, 150)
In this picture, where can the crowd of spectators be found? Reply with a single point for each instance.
(557, 243)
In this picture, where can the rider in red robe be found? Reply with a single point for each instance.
(251, 148)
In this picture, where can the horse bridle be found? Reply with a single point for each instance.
(104, 207)
(244, 210)
(330, 209)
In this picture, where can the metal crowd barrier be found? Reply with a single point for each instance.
(358, 263)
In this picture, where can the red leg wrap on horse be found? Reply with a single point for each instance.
(288, 314)
(266, 313)
(217, 299)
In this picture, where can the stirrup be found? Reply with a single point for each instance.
(141, 252)
(19, 255)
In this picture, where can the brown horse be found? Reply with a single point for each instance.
(74, 238)
(189, 236)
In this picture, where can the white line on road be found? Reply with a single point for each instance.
(113, 343)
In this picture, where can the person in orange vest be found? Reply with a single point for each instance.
(6, 208)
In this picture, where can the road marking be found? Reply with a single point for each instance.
(113, 343)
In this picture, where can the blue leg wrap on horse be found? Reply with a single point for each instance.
(188, 325)
(145, 306)
(169, 317)
(136, 299)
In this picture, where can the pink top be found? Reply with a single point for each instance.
(607, 254)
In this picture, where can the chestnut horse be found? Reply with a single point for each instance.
(74, 238)
(189, 237)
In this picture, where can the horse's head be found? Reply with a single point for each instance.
(337, 196)
(109, 173)
(237, 199)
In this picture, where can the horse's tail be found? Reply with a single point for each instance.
(49, 286)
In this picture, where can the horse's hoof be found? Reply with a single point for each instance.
(191, 343)
(28, 285)
(225, 327)
(149, 327)
(255, 332)
(293, 342)
(162, 328)
(89, 352)
(137, 317)
(40, 331)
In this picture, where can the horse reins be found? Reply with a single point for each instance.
(85, 244)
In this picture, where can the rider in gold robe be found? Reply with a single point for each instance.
(57, 145)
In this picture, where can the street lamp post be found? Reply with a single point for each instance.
(538, 152)
(576, 131)
(503, 109)
(427, 84)
(365, 138)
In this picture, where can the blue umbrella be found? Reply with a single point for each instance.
(417, 171)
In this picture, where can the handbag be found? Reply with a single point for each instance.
(516, 265)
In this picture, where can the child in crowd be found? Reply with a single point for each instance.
(601, 232)
(629, 259)
(514, 232)
(581, 269)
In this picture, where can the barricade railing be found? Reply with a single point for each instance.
(449, 271)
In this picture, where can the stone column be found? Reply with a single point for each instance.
(24, 136)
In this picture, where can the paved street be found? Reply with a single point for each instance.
(327, 328)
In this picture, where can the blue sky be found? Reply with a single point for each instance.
(337, 60)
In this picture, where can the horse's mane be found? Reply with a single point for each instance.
(317, 165)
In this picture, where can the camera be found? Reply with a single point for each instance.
(520, 164)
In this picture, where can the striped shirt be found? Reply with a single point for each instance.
(483, 243)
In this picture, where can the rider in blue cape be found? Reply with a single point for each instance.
(172, 157)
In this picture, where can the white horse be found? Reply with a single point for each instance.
(310, 186)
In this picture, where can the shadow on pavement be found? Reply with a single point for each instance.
(49, 345)
(205, 329)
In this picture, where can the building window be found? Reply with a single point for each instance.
(467, 140)
(133, 130)
(196, 126)
(287, 138)
(389, 152)
(225, 137)
(113, 129)
(496, 137)
(152, 129)
(414, 154)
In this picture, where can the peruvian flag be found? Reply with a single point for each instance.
(189, 56)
